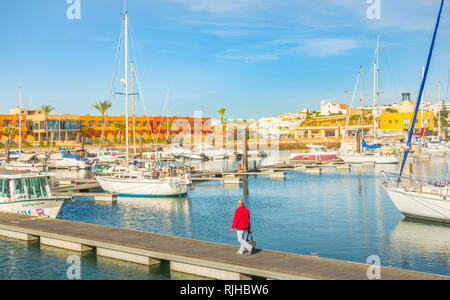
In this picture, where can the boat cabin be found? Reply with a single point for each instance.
(24, 186)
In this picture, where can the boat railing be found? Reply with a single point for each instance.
(412, 181)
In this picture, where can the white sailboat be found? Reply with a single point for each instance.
(413, 197)
(350, 155)
(140, 183)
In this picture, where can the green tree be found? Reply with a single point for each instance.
(102, 107)
(10, 132)
(46, 109)
(119, 126)
(222, 112)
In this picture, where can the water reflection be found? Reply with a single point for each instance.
(421, 243)
(171, 213)
(422, 237)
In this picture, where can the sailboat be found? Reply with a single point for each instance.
(366, 153)
(140, 183)
(415, 197)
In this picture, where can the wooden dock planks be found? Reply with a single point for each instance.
(269, 264)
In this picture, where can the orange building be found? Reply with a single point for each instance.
(69, 129)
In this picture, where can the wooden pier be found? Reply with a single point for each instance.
(186, 255)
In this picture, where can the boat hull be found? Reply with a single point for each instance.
(23, 167)
(358, 159)
(313, 157)
(420, 206)
(143, 188)
(49, 208)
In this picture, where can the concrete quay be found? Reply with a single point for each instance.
(201, 258)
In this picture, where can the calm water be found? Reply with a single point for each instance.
(339, 214)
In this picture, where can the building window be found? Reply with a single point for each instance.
(330, 133)
(110, 123)
(91, 124)
(5, 123)
(406, 122)
(396, 121)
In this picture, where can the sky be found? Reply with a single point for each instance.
(254, 58)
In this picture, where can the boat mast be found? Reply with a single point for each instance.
(167, 117)
(126, 86)
(423, 99)
(134, 116)
(374, 111)
(361, 121)
(439, 110)
(20, 119)
(377, 118)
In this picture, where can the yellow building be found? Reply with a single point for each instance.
(402, 121)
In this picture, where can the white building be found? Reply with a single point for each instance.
(327, 108)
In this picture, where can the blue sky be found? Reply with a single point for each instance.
(253, 57)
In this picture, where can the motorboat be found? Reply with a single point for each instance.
(317, 153)
(26, 162)
(68, 161)
(29, 194)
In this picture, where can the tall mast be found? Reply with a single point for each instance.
(126, 86)
(374, 111)
(167, 117)
(423, 100)
(362, 99)
(20, 119)
(378, 88)
(439, 109)
(134, 116)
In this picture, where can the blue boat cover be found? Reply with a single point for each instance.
(365, 145)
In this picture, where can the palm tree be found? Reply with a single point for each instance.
(119, 126)
(221, 112)
(9, 131)
(47, 109)
(102, 107)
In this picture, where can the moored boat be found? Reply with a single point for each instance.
(144, 184)
(317, 153)
(29, 194)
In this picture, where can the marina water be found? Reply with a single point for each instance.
(343, 215)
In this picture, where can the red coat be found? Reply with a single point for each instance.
(241, 218)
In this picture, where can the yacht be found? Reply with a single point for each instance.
(144, 184)
(317, 153)
(416, 198)
(26, 162)
(68, 161)
(29, 194)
